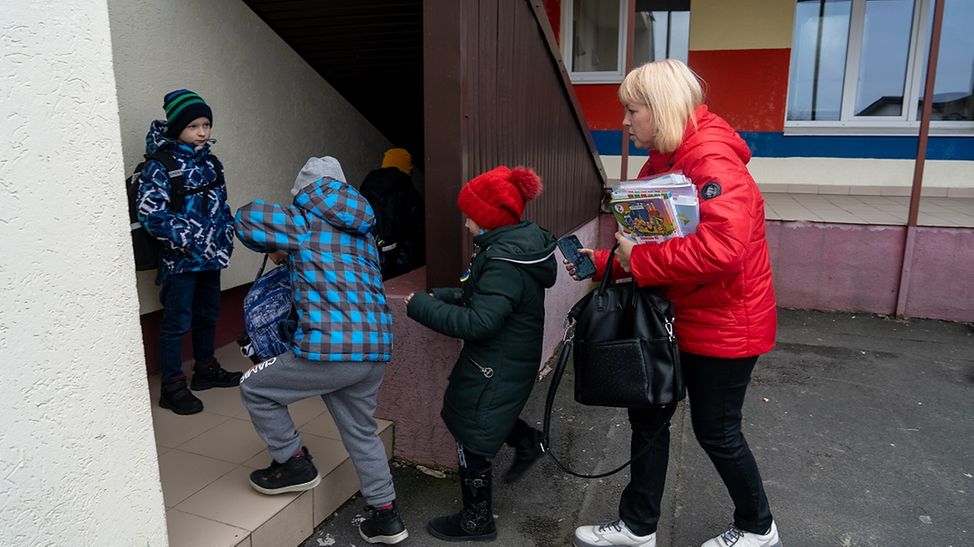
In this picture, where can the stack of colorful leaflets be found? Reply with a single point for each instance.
(656, 209)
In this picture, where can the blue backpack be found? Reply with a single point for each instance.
(270, 318)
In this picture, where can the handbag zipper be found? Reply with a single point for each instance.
(486, 371)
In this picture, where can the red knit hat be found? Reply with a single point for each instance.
(497, 197)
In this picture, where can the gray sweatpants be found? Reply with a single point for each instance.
(350, 391)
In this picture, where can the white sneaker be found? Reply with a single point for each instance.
(611, 534)
(735, 537)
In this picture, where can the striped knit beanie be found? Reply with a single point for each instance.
(183, 106)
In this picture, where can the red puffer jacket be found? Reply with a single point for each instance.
(719, 278)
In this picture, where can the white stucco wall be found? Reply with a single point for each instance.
(77, 455)
(271, 110)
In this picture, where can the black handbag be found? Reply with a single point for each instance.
(625, 352)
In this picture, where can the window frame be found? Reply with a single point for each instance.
(906, 123)
(568, 40)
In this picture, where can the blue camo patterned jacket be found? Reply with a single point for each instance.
(200, 236)
(335, 276)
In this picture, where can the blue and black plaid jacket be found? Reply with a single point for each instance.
(335, 274)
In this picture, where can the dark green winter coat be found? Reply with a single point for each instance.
(499, 313)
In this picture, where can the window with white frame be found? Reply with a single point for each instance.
(862, 64)
(594, 36)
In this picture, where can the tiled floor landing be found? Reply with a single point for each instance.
(205, 460)
(944, 212)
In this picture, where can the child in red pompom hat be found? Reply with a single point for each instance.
(497, 197)
(498, 311)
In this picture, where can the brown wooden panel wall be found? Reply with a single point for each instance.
(497, 94)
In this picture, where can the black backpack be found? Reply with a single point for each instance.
(145, 246)
(399, 220)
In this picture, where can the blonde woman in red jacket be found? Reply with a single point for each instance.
(719, 280)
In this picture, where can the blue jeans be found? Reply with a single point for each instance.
(191, 302)
(716, 389)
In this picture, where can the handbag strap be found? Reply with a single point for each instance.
(607, 278)
(566, 349)
(600, 291)
(263, 265)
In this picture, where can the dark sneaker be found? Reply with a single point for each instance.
(383, 526)
(295, 475)
(526, 451)
(176, 397)
(213, 375)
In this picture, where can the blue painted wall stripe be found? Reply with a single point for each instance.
(777, 145)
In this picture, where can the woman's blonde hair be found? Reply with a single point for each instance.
(672, 91)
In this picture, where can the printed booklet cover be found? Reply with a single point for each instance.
(646, 218)
(656, 209)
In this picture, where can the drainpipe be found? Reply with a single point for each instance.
(911, 222)
(630, 32)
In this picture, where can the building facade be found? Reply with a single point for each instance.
(826, 93)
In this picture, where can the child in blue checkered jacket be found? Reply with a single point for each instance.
(342, 344)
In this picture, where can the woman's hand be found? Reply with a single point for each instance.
(570, 268)
(624, 252)
(277, 257)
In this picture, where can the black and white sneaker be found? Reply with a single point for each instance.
(383, 526)
(295, 475)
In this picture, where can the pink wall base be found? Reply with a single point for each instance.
(415, 380)
(856, 268)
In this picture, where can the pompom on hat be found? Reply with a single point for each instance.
(497, 197)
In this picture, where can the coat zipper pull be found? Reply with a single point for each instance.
(486, 371)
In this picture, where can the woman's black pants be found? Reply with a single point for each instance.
(716, 389)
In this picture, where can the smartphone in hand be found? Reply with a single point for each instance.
(569, 246)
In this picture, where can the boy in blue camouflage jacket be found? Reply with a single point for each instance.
(196, 231)
(342, 343)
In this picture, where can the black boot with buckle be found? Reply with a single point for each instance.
(475, 522)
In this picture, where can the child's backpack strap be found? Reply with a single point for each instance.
(177, 177)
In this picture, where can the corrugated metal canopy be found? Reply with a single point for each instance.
(370, 51)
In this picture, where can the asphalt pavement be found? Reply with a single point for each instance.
(862, 426)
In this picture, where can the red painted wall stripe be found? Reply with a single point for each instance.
(746, 87)
(600, 104)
